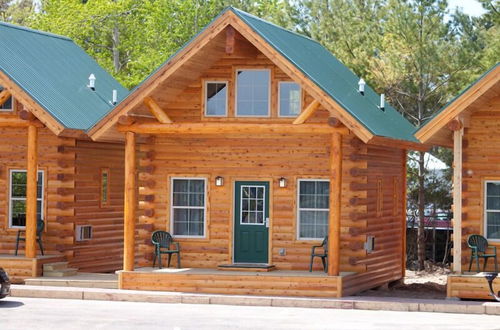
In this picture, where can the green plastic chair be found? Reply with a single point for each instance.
(162, 242)
(40, 225)
(479, 246)
(323, 255)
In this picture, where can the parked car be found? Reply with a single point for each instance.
(5, 284)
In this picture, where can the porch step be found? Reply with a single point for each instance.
(55, 266)
(61, 272)
(246, 267)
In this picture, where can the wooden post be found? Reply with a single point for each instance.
(130, 203)
(457, 200)
(31, 192)
(335, 200)
(403, 212)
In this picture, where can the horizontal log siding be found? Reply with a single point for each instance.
(105, 250)
(384, 264)
(58, 235)
(481, 150)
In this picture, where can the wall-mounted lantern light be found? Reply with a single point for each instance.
(219, 181)
(282, 182)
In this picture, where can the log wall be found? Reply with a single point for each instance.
(481, 147)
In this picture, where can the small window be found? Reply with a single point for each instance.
(188, 210)
(313, 208)
(104, 187)
(289, 99)
(8, 105)
(252, 93)
(17, 200)
(216, 99)
(83, 233)
(492, 210)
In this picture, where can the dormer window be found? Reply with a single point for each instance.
(253, 93)
(216, 98)
(8, 105)
(289, 99)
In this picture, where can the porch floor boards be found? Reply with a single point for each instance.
(470, 286)
(202, 280)
(20, 267)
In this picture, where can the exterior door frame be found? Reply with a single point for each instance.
(233, 211)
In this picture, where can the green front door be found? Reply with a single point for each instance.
(251, 222)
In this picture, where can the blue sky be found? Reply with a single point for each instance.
(471, 7)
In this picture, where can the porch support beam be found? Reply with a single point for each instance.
(217, 128)
(457, 199)
(157, 111)
(335, 204)
(4, 96)
(130, 202)
(307, 113)
(31, 191)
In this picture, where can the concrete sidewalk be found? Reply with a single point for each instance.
(353, 302)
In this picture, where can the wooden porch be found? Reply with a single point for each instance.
(470, 286)
(202, 280)
(21, 267)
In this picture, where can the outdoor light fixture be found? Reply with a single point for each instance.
(91, 84)
(219, 181)
(282, 182)
(361, 85)
(382, 102)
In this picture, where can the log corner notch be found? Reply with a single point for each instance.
(130, 200)
(335, 207)
(157, 111)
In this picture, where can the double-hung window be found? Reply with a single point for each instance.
(492, 209)
(17, 197)
(216, 98)
(313, 208)
(7, 105)
(188, 207)
(289, 99)
(253, 92)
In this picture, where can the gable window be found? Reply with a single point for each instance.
(216, 98)
(492, 210)
(8, 105)
(252, 93)
(104, 187)
(313, 208)
(17, 198)
(289, 99)
(188, 207)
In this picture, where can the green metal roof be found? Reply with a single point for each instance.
(334, 78)
(458, 96)
(54, 71)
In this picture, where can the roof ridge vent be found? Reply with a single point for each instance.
(361, 86)
(382, 102)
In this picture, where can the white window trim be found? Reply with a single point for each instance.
(42, 198)
(279, 99)
(307, 209)
(172, 207)
(12, 108)
(236, 93)
(241, 205)
(206, 82)
(485, 210)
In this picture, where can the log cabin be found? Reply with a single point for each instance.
(468, 124)
(49, 168)
(257, 143)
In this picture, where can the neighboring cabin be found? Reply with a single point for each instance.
(49, 168)
(257, 143)
(469, 124)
